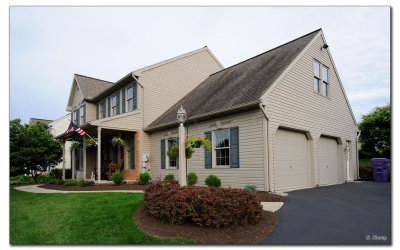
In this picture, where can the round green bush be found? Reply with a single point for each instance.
(251, 188)
(117, 177)
(169, 177)
(144, 178)
(191, 179)
(213, 181)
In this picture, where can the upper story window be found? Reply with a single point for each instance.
(103, 109)
(129, 98)
(172, 162)
(221, 147)
(320, 78)
(114, 105)
(82, 114)
(76, 117)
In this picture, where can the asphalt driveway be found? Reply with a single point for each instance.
(351, 213)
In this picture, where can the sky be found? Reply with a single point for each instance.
(49, 44)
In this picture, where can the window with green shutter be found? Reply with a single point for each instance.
(109, 107)
(123, 100)
(97, 111)
(162, 150)
(208, 153)
(234, 147)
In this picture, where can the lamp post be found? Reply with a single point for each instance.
(181, 116)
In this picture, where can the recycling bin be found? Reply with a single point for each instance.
(380, 169)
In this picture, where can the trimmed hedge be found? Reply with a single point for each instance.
(210, 207)
(169, 177)
(117, 177)
(213, 181)
(144, 178)
(191, 179)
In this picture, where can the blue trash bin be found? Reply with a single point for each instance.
(380, 169)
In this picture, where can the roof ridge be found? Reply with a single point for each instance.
(93, 78)
(268, 51)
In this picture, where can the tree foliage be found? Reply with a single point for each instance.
(375, 132)
(32, 148)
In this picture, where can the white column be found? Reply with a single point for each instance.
(73, 164)
(84, 158)
(182, 156)
(63, 162)
(98, 153)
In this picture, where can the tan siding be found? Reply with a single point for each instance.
(293, 103)
(251, 152)
(167, 84)
(78, 98)
(90, 112)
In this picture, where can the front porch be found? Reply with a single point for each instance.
(92, 162)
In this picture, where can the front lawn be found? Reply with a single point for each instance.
(365, 162)
(80, 218)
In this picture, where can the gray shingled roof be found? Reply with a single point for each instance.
(33, 121)
(237, 86)
(91, 87)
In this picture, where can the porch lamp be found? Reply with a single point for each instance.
(181, 116)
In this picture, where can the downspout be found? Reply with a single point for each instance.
(261, 105)
(357, 157)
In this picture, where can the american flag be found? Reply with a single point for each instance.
(73, 127)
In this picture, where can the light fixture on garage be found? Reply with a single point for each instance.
(324, 46)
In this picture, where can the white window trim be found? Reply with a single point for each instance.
(214, 149)
(167, 166)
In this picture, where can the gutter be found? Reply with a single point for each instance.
(357, 156)
(262, 107)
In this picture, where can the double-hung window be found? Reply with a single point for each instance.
(171, 161)
(129, 98)
(320, 77)
(81, 114)
(324, 80)
(114, 105)
(76, 117)
(103, 110)
(316, 76)
(221, 147)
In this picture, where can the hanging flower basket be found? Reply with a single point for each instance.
(190, 143)
(118, 142)
(91, 142)
(76, 145)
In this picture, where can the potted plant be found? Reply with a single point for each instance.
(91, 142)
(113, 166)
(190, 143)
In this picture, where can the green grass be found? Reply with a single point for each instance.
(365, 162)
(80, 218)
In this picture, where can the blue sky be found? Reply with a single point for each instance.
(49, 44)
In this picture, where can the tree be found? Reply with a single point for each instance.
(32, 148)
(375, 132)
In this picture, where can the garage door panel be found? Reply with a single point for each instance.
(291, 160)
(328, 156)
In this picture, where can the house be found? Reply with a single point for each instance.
(57, 128)
(33, 121)
(107, 110)
(280, 120)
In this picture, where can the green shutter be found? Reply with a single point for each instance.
(118, 102)
(163, 154)
(135, 95)
(109, 106)
(72, 116)
(208, 153)
(234, 147)
(104, 108)
(84, 114)
(123, 101)
(77, 117)
(133, 152)
(177, 160)
(97, 111)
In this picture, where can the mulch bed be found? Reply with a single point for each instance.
(250, 234)
(266, 196)
(99, 187)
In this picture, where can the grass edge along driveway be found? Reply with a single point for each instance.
(79, 218)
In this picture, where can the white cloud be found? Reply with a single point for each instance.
(369, 94)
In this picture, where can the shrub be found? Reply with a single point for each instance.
(213, 181)
(23, 179)
(251, 188)
(117, 177)
(52, 181)
(191, 179)
(144, 178)
(57, 173)
(169, 177)
(59, 182)
(210, 207)
(71, 183)
(87, 183)
(46, 179)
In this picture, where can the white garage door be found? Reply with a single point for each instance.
(328, 161)
(291, 160)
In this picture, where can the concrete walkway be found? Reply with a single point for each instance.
(268, 206)
(37, 189)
